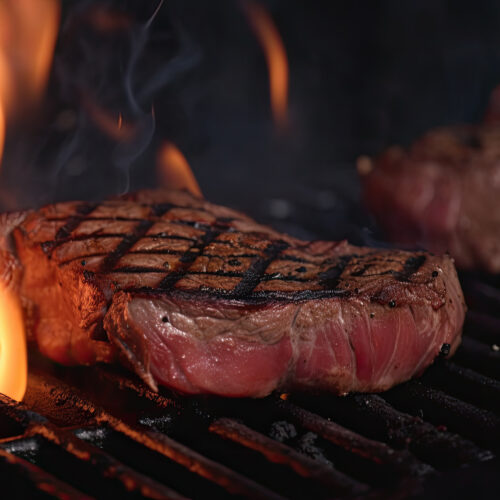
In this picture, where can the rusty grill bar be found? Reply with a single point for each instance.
(82, 433)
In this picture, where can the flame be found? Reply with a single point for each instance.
(5, 90)
(269, 38)
(113, 126)
(28, 32)
(13, 358)
(2, 131)
(174, 171)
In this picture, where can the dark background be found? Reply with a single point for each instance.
(363, 75)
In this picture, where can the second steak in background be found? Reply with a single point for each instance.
(442, 194)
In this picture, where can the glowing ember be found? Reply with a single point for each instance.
(28, 31)
(274, 50)
(13, 359)
(174, 171)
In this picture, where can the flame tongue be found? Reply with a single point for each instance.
(28, 31)
(269, 38)
(13, 359)
(2, 130)
(4, 94)
(174, 171)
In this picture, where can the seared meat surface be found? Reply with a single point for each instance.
(442, 194)
(203, 299)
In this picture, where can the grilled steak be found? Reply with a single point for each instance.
(203, 299)
(442, 194)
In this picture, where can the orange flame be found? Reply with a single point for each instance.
(174, 171)
(2, 131)
(13, 358)
(269, 38)
(113, 126)
(28, 31)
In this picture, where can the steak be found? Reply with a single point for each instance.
(202, 299)
(442, 194)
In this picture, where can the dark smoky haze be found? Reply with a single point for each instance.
(129, 75)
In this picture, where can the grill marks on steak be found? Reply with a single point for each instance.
(203, 299)
(180, 252)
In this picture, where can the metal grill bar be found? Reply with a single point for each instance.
(231, 481)
(373, 416)
(465, 383)
(20, 476)
(481, 426)
(379, 453)
(479, 356)
(375, 451)
(399, 429)
(282, 454)
(106, 465)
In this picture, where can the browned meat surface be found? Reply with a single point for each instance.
(203, 299)
(442, 194)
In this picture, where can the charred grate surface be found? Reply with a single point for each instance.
(81, 432)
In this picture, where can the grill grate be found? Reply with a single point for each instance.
(84, 433)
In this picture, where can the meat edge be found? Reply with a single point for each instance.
(294, 354)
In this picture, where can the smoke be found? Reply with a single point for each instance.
(98, 121)
(129, 75)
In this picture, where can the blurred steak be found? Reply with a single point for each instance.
(203, 299)
(442, 194)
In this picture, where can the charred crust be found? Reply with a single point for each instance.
(188, 258)
(330, 278)
(329, 274)
(125, 245)
(410, 267)
(254, 274)
(88, 276)
(361, 270)
(47, 247)
(445, 350)
(82, 210)
(255, 298)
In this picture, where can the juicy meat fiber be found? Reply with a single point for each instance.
(442, 194)
(202, 299)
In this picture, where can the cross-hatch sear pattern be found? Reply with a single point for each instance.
(157, 247)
